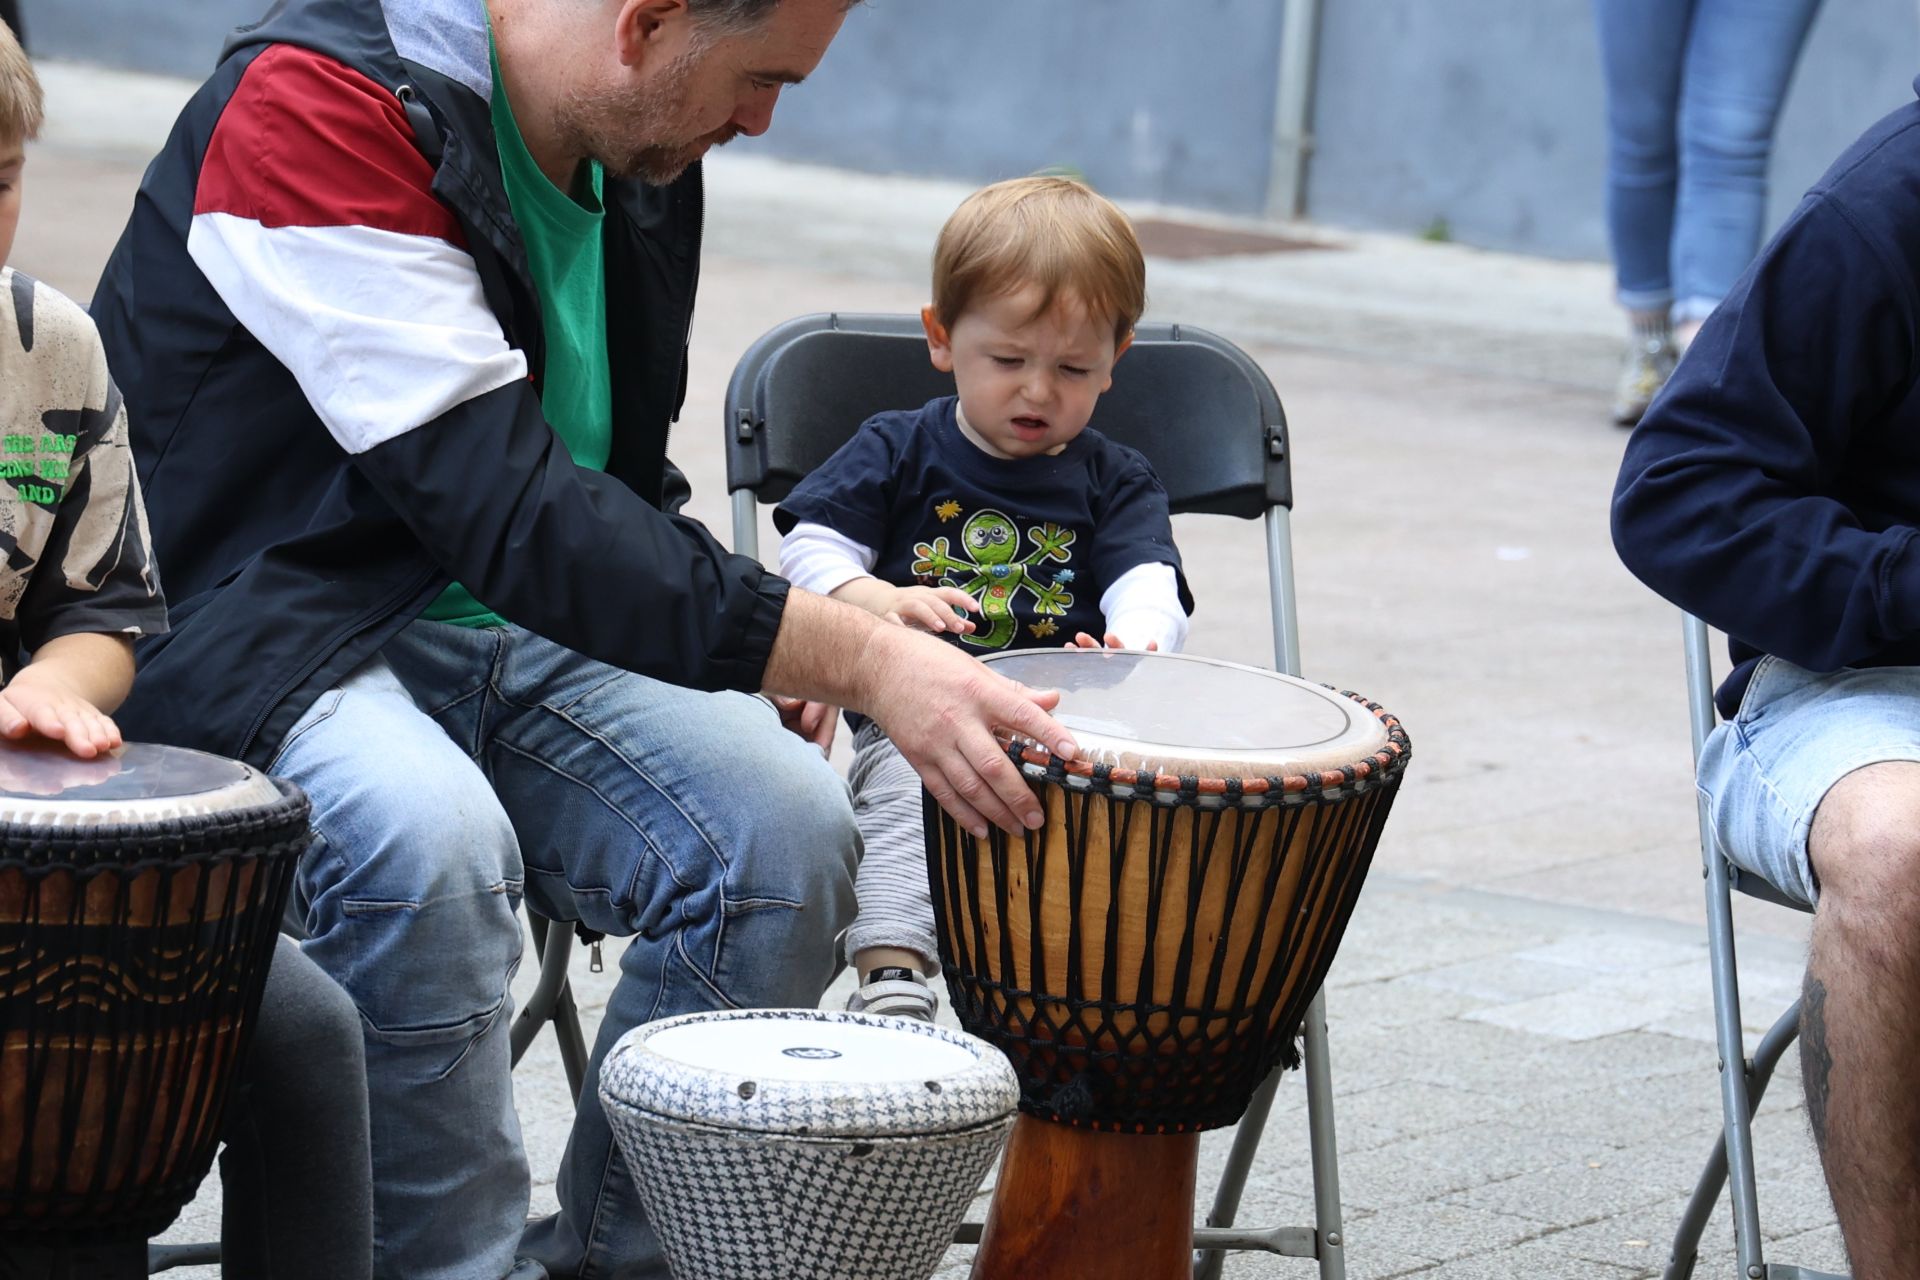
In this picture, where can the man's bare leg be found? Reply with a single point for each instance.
(1860, 1019)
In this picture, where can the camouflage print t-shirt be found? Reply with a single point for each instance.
(73, 532)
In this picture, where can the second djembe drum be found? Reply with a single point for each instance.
(140, 895)
(1146, 958)
(798, 1144)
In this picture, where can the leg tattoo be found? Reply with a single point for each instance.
(1816, 1061)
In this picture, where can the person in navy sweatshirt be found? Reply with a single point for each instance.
(1773, 489)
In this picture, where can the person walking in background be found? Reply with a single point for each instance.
(1693, 91)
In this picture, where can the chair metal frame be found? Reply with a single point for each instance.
(747, 423)
(1740, 1090)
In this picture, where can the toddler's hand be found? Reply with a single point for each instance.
(814, 721)
(932, 609)
(1085, 641)
(36, 701)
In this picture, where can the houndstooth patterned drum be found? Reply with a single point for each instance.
(799, 1144)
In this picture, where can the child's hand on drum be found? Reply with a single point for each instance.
(1085, 641)
(41, 701)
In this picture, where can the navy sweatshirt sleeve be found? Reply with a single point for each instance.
(1772, 487)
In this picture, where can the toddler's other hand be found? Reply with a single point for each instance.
(38, 702)
(1085, 641)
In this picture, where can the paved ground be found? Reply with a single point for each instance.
(1520, 1013)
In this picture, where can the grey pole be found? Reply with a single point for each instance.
(1293, 109)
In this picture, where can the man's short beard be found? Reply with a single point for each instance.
(602, 125)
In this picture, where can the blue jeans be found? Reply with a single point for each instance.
(462, 769)
(1693, 90)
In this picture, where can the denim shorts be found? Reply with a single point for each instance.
(1796, 734)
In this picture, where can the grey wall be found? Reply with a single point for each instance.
(1482, 114)
(174, 37)
(1487, 114)
(1151, 100)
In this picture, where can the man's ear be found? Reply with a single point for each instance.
(642, 24)
(939, 342)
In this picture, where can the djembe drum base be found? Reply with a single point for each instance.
(1084, 1203)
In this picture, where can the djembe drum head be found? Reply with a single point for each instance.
(794, 1144)
(1146, 958)
(140, 895)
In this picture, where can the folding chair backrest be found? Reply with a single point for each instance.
(1198, 407)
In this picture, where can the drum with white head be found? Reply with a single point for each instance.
(777, 1144)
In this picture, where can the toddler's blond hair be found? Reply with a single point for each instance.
(1054, 233)
(22, 107)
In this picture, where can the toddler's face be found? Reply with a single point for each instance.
(1027, 383)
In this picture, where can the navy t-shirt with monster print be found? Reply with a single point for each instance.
(1037, 541)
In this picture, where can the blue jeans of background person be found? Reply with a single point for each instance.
(463, 769)
(1693, 91)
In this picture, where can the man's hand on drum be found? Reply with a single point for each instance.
(938, 705)
(1084, 641)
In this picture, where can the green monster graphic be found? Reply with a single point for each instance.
(987, 571)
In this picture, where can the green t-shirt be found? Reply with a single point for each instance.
(562, 234)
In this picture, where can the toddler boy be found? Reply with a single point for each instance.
(994, 517)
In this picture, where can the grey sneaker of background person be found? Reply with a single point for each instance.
(1649, 360)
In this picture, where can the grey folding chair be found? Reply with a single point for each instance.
(1210, 422)
(1740, 1090)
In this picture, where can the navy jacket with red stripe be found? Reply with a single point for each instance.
(321, 317)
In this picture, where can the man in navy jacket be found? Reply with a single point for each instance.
(343, 341)
(1774, 490)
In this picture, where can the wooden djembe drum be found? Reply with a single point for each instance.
(1146, 958)
(140, 895)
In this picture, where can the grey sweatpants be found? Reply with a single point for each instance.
(896, 909)
(296, 1175)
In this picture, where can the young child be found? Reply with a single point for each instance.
(997, 503)
(77, 584)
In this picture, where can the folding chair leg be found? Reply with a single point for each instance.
(1233, 1178)
(573, 1045)
(1326, 1156)
(552, 1001)
(165, 1257)
(1328, 1244)
(1706, 1193)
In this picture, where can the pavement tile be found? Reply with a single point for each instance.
(1500, 979)
(1573, 1015)
(1611, 953)
(1536, 1260)
(1571, 1191)
(1821, 1250)
(1440, 1231)
(1626, 1112)
(1403, 1002)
